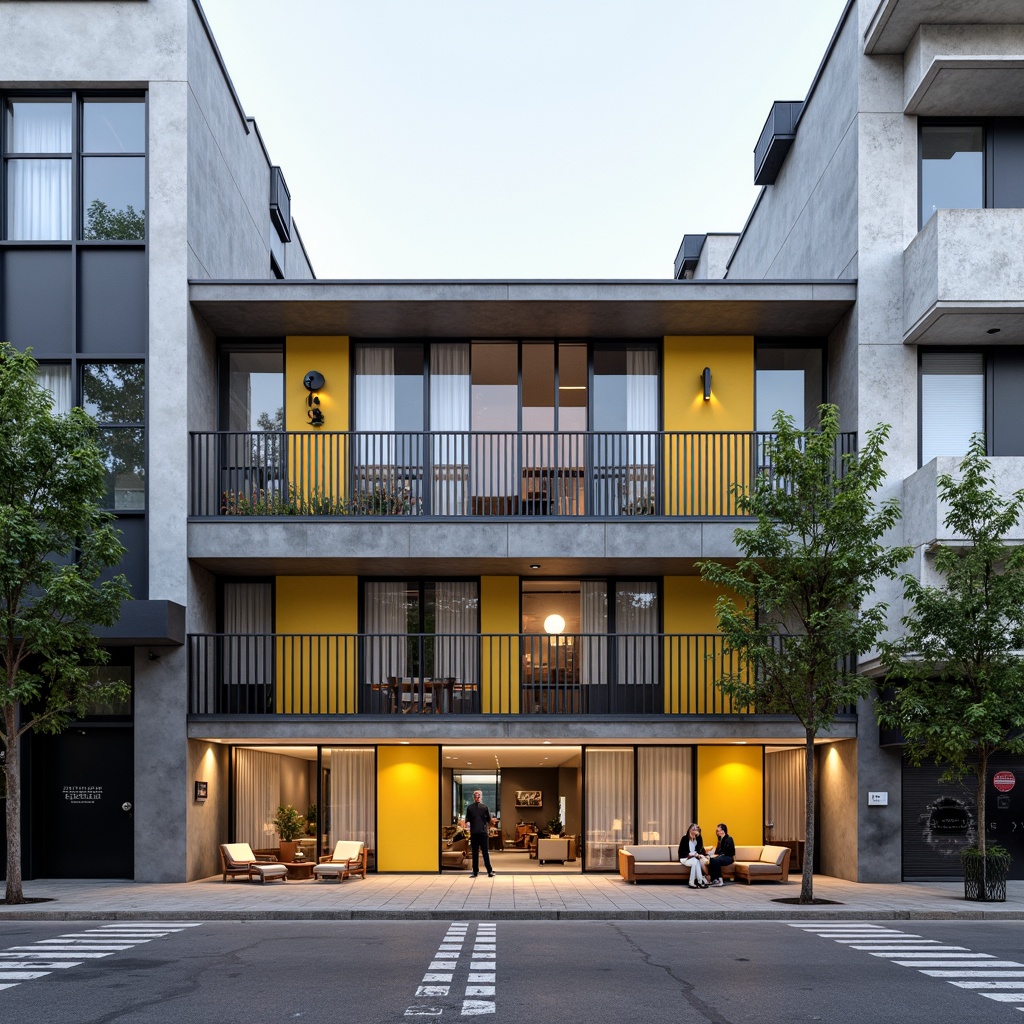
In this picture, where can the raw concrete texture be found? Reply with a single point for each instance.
(208, 824)
(836, 820)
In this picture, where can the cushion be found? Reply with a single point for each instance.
(270, 870)
(660, 867)
(239, 852)
(347, 849)
(773, 855)
(648, 853)
(759, 867)
(329, 869)
(748, 852)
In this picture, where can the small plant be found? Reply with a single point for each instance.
(554, 826)
(382, 501)
(311, 816)
(641, 505)
(290, 825)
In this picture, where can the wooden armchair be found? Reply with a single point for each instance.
(349, 858)
(238, 859)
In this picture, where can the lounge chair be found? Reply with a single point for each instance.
(349, 858)
(238, 859)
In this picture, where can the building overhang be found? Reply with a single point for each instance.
(527, 309)
(895, 22)
(955, 86)
(146, 624)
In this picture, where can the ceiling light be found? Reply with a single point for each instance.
(993, 330)
(535, 565)
(554, 623)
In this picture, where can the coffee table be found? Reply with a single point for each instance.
(299, 870)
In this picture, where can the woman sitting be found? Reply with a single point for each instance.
(692, 855)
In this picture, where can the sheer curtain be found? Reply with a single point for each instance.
(353, 796)
(642, 419)
(456, 620)
(375, 405)
(449, 419)
(664, 793)
(636, 612)
(39, 191)
(386, 627)
(248, 643)
(594, 626)
(608, 804)
(257, 795)
(56, 378)
(785, 790)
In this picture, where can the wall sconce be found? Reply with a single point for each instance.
(554, 624)
(314, 381)
(705, 378)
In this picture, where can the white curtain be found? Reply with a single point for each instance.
(609, 804)
(952, 402)
(594, 626)
(375, 406)
(456, 620)
(785, 789)
(449, 419)
(56, 378)
(257, 796)
(641, 416)
(636, 612)
(387, 627)
(664, 793)
(39, 199)
(248, 625)
(353, 796)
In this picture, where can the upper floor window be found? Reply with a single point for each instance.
(952, 168)
(74, 168)
(952, 402)
(789, 380)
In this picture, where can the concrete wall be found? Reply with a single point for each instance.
(208, 824)
(836, 818)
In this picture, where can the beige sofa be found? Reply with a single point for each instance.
(752, 864)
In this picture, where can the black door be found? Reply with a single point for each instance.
(82, 782)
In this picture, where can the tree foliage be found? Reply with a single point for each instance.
(101, 222)
(55, 545)
(797, 604)
(957, 672)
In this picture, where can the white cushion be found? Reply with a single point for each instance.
(748, 852)
(329, 869)
(239, 852)
(773, 855)
(645, 854)
(346, 850)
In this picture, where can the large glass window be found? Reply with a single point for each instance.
(789, 380)
(114, 394)
(952, 402)
(38, 168)
(952, 168)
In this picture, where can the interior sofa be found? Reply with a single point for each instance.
(455, 853)
(752, 864)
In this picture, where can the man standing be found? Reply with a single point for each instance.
(478, 821)
(725, 853)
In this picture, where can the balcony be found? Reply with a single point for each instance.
(474, 475)
(961, 280)
(285, 675)
(895, 22)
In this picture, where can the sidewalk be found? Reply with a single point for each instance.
(505, 897)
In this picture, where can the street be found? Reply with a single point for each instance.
(726, 972)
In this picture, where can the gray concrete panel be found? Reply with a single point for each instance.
(208, 820)
(836, 817)
(889, 26)
(879, 829)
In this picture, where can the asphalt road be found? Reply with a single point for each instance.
(518, 971)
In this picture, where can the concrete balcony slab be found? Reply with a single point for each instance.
(895, 22)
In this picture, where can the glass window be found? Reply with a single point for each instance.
(788, 380)
(38, 188)
(114, 186)
(114, 394)
(952, 402)
(56, 378)
(952, 168)
(255, 391)
(113, 126)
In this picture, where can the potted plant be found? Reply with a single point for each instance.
(554, 826)
(290, 826)
(311, 816)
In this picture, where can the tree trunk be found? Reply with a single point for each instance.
(14, 894)
(807, 875)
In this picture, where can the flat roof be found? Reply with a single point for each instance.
(532, 309)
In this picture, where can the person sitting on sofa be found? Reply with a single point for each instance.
(691, 854)
(724, 853)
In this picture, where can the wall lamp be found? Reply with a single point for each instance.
(554, 623)
(705, 378)
(314, 381)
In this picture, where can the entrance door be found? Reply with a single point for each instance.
(83, 779)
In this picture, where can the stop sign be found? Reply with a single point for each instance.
(1003, 781)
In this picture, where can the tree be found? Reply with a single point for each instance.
(101, 222)
(796, 609)
(55, 543)
(957, 675)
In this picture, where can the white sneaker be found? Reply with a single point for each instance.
(717, 882)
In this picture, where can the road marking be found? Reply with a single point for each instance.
(952, 962)
(29, 963)
(439, 984)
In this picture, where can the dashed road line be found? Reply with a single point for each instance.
(29, 963)
(957, 965)
(437, 990)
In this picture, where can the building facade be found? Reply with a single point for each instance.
(392, 542)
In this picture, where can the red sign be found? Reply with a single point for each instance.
(1003, 781)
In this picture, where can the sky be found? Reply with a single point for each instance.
(533, 139)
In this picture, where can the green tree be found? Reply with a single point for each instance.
(55, 543)
(957, 675)
(796, 608)
(101, 222)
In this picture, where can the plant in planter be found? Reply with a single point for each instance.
(311, 816)
(290, 826)
(554, 826)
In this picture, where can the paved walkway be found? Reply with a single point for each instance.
(505, 897)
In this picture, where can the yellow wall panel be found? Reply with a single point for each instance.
(316, 674)
(408, 808)
(699, 470)
(499, 613)
(730, 788)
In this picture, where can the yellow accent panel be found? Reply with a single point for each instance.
(499, 656)
(317, 457)
(408, 809)
(700, 470)
(730, 788)
(316, 674)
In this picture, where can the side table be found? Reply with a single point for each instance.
(299, 870)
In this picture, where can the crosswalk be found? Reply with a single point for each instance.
(29, 963)
(999, 980)
(437, 993)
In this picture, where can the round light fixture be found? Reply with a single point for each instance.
(554, 624)
(535, 565)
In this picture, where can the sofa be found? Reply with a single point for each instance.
(455, 853)
(752, 864)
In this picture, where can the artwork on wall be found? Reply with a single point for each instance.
(529, 798)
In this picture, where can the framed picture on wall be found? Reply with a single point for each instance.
(529, 798)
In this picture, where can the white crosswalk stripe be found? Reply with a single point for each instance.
(19, 964)
(957, 965)
(474, 996)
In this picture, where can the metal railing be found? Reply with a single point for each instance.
(460, 474)
(482, 673)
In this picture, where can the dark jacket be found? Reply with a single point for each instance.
(726, 847)
(478, 818)
(684, 846)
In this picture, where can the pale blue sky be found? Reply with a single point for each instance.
(492, 139)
